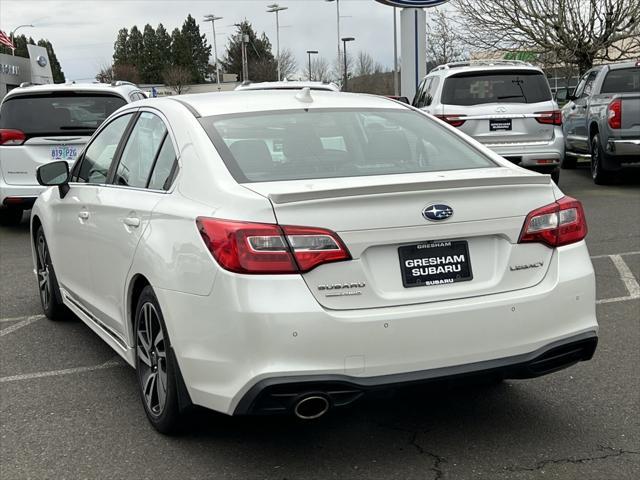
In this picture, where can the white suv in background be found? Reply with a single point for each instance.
(505, 104)
(43, 123)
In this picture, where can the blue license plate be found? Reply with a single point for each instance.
(64, 152)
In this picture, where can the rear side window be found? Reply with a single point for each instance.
(323, 143)
(99, 154)
(623, 80)
(164, 168)
(140, 152)
(476, 88)
(58, 114)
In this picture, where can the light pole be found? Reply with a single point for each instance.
(13, 50)
(338, 25)
(275, 8)
(346, 76)
(396, 83)
(311, 52)
(212, 18)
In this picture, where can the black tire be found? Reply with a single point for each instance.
(568, 162)
(598, 173)
(155, 365)
(50, 297)
(555, 175)
(10, 217)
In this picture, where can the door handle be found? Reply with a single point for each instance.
(132, 222)
(83, 215)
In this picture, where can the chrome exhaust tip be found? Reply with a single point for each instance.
(311, 407)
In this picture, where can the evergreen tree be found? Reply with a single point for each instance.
(120, 48)
(262, 64)
(163, 49)
(194, 50)
(135, 48)
(56, 69)
(150, 68)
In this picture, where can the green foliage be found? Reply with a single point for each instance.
(21, 42)
(262, 64)
(151, 52)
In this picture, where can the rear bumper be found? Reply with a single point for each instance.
(279, 395)
(625, 148)
(251, 329)
(530, 154)
(19, 196)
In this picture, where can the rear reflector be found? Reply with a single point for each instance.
(263, 248)
(559, 223)
(614, 114)
(552, 117)
(10, 136)
(545, 161)
(452, 119)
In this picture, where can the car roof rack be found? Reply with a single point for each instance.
(119, 83)
(472, 63)
(25, 84)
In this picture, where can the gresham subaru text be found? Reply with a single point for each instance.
(267, 252)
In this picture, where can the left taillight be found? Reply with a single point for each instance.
(10, 136)
(559, 223)
(614, 114)
(262, 248)
(552, 117)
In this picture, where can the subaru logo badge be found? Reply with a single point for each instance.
(437, 212)
(42, 61)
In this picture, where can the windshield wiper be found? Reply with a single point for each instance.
(511, 96)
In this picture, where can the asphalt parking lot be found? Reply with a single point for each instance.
(69, 407)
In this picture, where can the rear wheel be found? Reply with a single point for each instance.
(10, 216)
(154, 365)
(50, 297)
(599, 175)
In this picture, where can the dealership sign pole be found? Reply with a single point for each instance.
(413, 44)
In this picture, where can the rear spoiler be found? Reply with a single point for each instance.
(301, 196)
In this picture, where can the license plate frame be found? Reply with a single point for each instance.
(434, 249)
(64, 152)
(500, 124)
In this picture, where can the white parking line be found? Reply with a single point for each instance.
(67, 371)
(15, 319)
(19, 325)
(627, 277)
(608, 255)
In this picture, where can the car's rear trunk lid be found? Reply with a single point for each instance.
(381, 219)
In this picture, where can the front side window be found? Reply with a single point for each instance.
(140, 152)
(588, 86)
(504, 86)
(60, 113)
(313, 144)
(95, 164)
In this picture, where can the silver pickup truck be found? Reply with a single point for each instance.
(601, 120)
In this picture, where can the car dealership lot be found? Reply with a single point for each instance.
(69, 407)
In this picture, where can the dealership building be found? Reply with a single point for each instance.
(15, 70)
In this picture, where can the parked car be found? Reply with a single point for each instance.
(44, 123)
(383, 248)
(601, 121)
(506, 105)
(289, 85)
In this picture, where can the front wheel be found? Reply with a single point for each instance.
(50, 297)
(154, 365)
(598, 173)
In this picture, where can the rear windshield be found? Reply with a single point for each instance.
(623, 80)
(313, 144)
(477, 88)
(58, 114)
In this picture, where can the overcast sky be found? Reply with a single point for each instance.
(83, 31)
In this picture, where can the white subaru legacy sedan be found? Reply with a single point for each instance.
(267, 252)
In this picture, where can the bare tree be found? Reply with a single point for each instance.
(320, 70)
(366, 65)
(444, 43)
(177, 77)
(105, 75)
(288, 64)
(573, 31)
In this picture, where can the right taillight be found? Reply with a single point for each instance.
(263, 248)
(10, 136)
(614, 113)
(452, 119)
(559, 223)
(551, 117)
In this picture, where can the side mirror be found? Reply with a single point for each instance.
(562, 95)
(54, 174)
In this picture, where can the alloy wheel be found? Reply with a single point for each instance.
(44, 276)
(152, 357)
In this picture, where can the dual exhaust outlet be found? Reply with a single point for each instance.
(311, 406)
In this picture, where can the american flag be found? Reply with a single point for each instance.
(5, 40)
